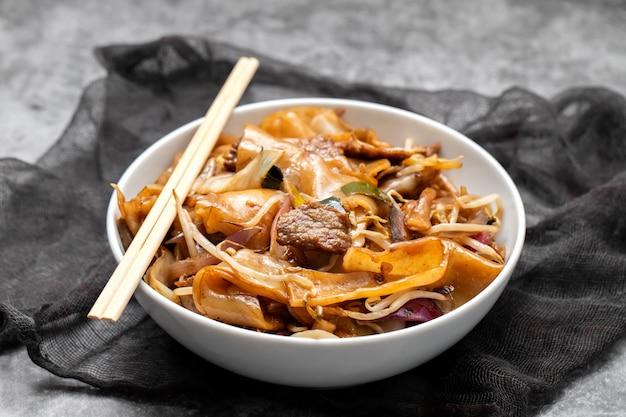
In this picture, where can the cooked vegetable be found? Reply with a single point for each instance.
(307, 226)
(273, 179)
(361, 187)
(417, 310)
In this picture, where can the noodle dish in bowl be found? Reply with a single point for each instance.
(326, 243)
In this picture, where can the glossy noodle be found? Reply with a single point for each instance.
(308, 226)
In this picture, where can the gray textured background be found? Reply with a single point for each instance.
(46, 60)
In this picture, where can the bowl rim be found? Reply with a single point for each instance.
(497, 285)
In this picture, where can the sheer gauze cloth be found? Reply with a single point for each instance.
(564, 307)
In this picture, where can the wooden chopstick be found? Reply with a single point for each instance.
(129, 272)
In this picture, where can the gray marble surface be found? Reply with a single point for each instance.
(488, 46)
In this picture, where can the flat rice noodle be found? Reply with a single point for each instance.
(417, 265)
(221, 300)
(226, 212)
(134, 211)
(255, 139)
(287, 124)
(429, 263)
(303, 122)
(307, 171)
(269, 266)
(328, 123)
(327, 288)
(158, 276)
(468, 273)
(332, 288)
(313, 176)
(400, 260)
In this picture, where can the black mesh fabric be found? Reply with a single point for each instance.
(565, 305)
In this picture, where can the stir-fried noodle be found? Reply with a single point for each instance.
(308, 225)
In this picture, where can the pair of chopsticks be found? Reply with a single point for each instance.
(129, 272)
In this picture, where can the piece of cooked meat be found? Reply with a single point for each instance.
(314, 226)
(319, 145)
(355, 148)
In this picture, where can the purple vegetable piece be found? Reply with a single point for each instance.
(484, 237)
(417, 310)
(240, 238)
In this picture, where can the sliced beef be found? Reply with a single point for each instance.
(320, 145)
(314, 226)
(355, 148)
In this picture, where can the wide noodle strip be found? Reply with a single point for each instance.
(306, 225)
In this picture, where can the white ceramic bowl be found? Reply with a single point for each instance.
(331, 363)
